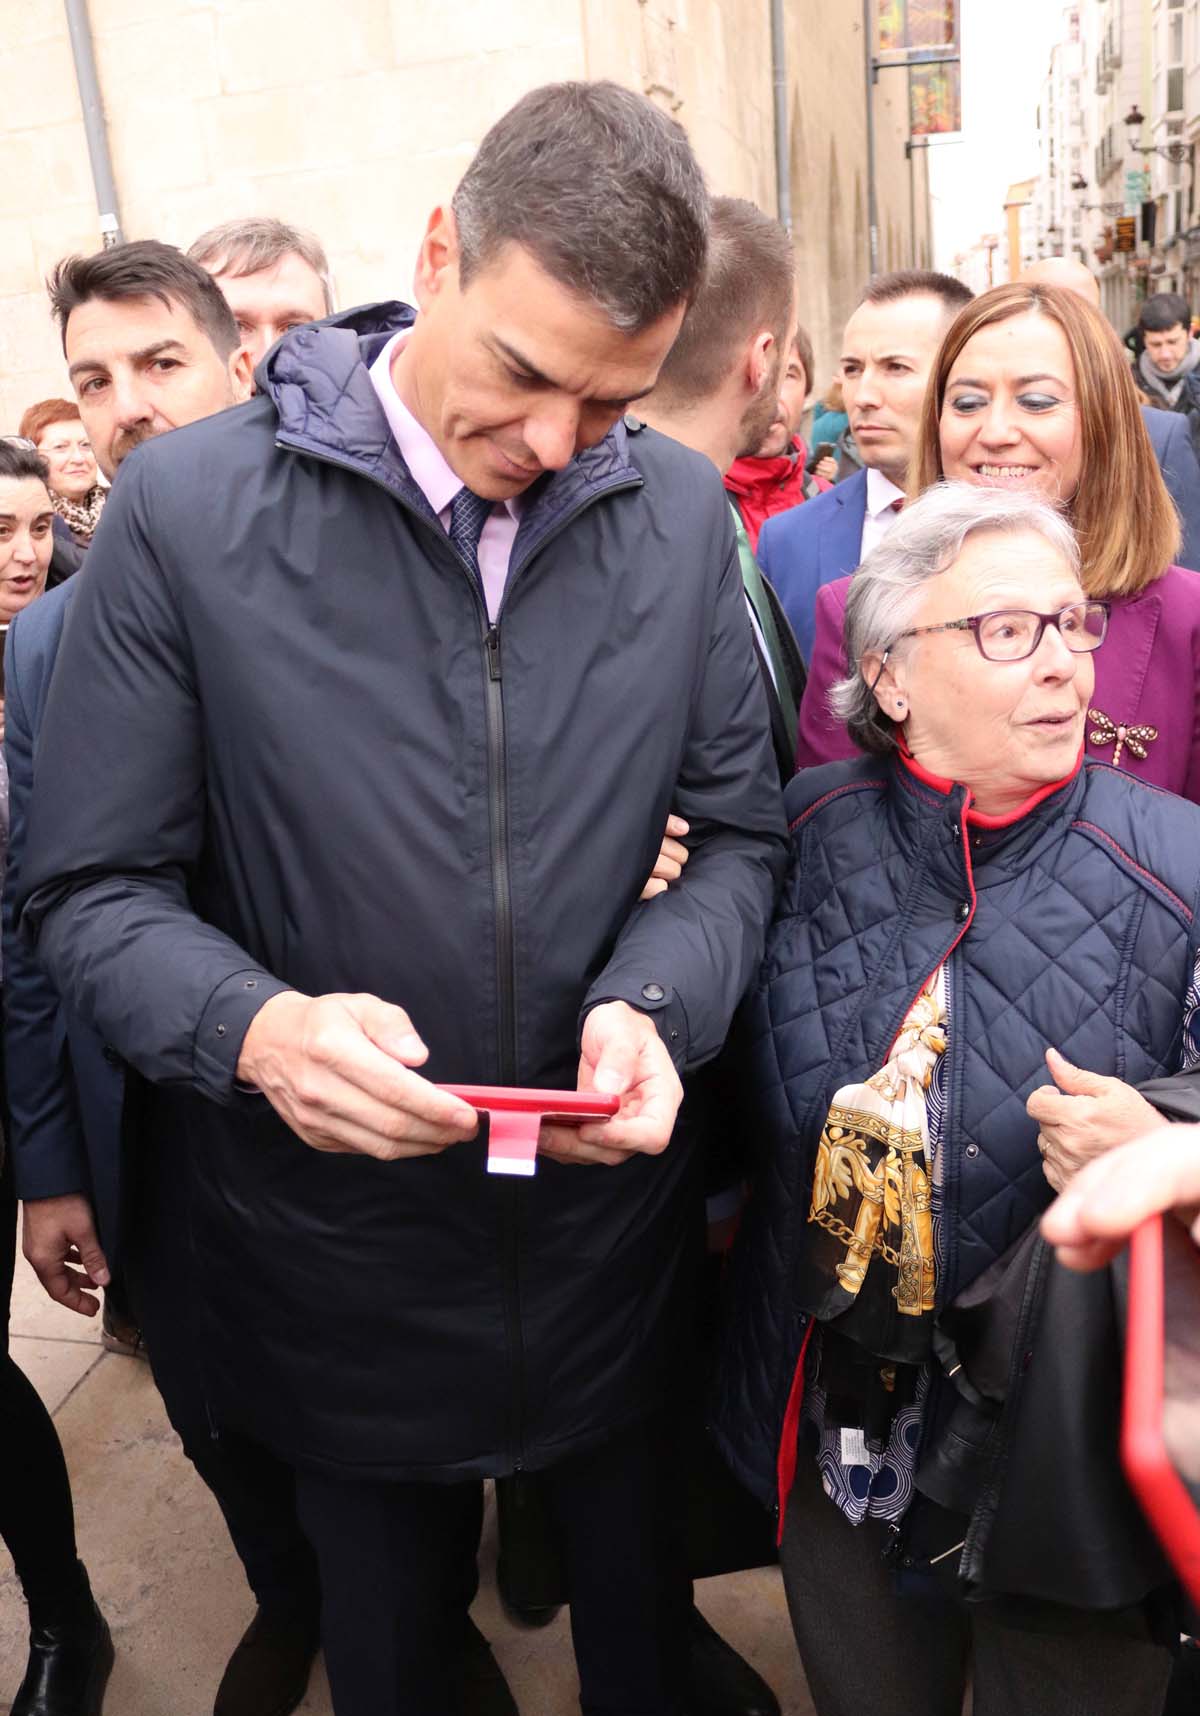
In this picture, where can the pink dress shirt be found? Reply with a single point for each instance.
(439, 484)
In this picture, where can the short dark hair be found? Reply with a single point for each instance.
(143, 268)
(749, 284)
(18, 461)
(238, 247)
(601, 188)
(918, 283)
(1164, 310)
(804, 351)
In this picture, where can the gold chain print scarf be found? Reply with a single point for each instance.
(872, 1194)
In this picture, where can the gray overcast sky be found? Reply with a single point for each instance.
(1006, 52)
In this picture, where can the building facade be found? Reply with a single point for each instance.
(1122, 98)
(1020, 226)
(356, 117)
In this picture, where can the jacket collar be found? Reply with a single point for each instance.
(937, 815)
(748, 477)
(317, 377)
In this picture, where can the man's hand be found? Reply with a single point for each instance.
(1093, 1218)
(1085, 1116)
(59, 1240)
(337, 1069)
(827, 468)
(622, 1055)
(672, 856)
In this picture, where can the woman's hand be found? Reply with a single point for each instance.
(1100, 1209)
(672, 856)
(1083, 1115)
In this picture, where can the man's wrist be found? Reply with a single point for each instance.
(261, 1034)
(660, 1004)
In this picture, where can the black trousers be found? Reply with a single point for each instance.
(255, 1491)
(37, 1521)
(397, 1571)
(865, 1647)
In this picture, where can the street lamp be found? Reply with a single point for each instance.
(1176, 152)
(1078, 182)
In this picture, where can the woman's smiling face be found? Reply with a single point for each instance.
(1009, 415)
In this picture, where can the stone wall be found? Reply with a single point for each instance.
(354, 117)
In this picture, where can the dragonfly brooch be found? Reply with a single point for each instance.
(1121, 737)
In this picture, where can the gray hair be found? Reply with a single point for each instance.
(886, 591)
(239, 247)
(601, 188)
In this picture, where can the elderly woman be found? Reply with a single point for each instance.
(57, 432)
(1030, 392)
(931, 1400)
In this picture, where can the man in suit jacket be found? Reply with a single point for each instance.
(887, 352)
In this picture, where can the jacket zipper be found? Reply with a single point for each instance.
(506, 1010)
(506, 982)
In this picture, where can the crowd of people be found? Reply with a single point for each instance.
(500, 691)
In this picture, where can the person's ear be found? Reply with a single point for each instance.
(759, 359)
(437, 261)
(885, 673)
(241, 374)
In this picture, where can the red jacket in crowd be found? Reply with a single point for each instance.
(763, 487)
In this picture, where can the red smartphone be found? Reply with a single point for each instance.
(1160, 1430)
(516, 1116)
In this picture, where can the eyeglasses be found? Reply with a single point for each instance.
(1013, 634)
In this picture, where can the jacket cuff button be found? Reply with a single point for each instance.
(653, 992)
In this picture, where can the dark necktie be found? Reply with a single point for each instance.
(469, 513)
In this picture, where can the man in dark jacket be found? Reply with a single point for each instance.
(1167, 369)
(151, 345)
(360, 770)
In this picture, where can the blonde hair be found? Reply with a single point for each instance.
(1123, 517)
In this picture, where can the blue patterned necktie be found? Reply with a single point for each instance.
(469, 513)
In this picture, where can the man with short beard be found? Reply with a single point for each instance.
(150, 345)
(719, 393)
(776, 476)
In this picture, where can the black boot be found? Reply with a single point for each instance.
(267, 1675)
(70, 1660)
(720, 1682)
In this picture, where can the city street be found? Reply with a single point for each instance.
(171, 1587)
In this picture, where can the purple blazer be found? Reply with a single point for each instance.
(1147, 675)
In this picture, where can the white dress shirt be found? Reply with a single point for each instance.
(882, 495)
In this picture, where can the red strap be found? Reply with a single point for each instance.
(785, 1465)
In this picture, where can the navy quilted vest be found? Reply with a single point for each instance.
(1073, 927)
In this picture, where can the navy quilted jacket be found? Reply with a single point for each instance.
(1073, 926)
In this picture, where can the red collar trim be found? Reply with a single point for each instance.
(979, 818)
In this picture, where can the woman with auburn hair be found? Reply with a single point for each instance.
(56, 430)
(1030, 391)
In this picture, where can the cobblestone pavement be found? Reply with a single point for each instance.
(172, 1589)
